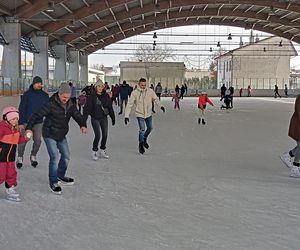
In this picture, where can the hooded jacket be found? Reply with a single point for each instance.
(56, 123)
(203, 99)
(94, 104)
(31, 101)
(142, 99)
(294, 128)
(9, 138)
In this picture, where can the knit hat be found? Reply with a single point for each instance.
(10, 112)
(64, 88)
(99, 83)
(37, 79)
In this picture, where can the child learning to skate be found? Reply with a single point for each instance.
(202, 101)
(9, 138)
(176, 98)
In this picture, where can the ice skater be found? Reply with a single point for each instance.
(142, 98)
(227, 100)
(294, 133)
(99, 107)
(176, 97)
(202, 101)
(10, 136)
(58, 112)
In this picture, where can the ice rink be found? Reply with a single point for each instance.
(219, 186)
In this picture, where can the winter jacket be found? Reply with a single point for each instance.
(9, 138)
(124, 91)
(142, 99)
(56, 124)
(158, 89)
(203, 99)
(227, 98)
(31, 101)
(94, 104)
(294, 129)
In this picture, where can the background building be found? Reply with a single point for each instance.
(167, 73)
(261, 64)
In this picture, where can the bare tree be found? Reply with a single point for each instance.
(149, 53)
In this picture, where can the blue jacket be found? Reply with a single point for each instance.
(31, 101)
(124, 91)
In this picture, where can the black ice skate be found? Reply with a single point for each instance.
(33, 161)
(66, 181)
(141, 148)
(146, 145)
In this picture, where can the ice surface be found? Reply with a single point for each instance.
(218, 186)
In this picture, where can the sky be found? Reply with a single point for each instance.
(190, 42)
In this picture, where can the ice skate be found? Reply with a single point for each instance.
(55, 188)
(141, 148)
(287, 159)
(19, 162)
(295, 172)
(146, 145)
(66, 181)
(33, 161)
(103, 154)
(95, 155)
(12, 194)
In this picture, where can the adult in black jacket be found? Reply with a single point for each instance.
(57, 113)
(99, 106)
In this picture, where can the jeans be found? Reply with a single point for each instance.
(142, 134)
(97, 124)
(57, 167)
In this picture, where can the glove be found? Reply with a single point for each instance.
(113, 122)
(126, 120)
(163, 109)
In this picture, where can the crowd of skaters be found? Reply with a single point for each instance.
(40, 116)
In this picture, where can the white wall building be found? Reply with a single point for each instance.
(261, 64)
(167, 73)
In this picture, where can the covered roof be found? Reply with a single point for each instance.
(89, 25)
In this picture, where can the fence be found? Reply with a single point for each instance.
(9, 86)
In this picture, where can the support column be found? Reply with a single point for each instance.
(84, 70)
(41, 64)
(11, 58)
(74, 66)
(60, 72)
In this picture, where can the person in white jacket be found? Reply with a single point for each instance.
(142, 98)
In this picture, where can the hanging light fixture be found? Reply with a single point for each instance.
(280, 43)
(154, 35)
(154, 43)
(218, 44)
(50, 7)
(210, 49)
(265, 49)
(229, 37)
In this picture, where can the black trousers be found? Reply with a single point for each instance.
(101, 124)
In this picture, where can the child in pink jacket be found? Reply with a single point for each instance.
(176, 98)
(9, 138)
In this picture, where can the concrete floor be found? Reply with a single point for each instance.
(218, 186)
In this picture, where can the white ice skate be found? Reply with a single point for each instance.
(295, 172)
(287, 159)
(103, 154)
(12, 194)
(95, 155)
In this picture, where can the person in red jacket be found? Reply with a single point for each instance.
(10, 136)
(202, 101)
